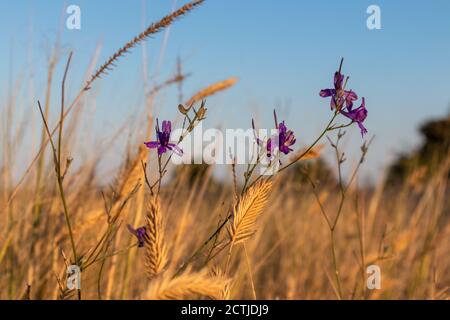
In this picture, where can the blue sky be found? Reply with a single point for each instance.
(283, 53)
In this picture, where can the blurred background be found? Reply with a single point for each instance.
(393, 210)
(282, 52)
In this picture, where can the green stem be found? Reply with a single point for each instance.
(335, 264)
(200, 249)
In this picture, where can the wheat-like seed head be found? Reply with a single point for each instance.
(67, 294)
(152, 29)
(212, 89)
(64, 292)
(189, 285)
(155, 248)
(175, 79)
(247, 211)
(217, 272)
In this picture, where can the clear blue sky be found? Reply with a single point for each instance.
(283, 52)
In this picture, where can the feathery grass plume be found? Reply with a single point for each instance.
(189, 285)
(218, 273)
(155, 248)
(152, 29)
(64, 292)
(132, 174)
(247, 211)
(212, 89)
(173, 80)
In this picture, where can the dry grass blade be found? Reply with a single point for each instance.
(27, 293)
(311, 154)
(132, 174)
(247, 211)
(5, 246)
(155, 248)
(152, 29)
(212, 89)
(189, 285)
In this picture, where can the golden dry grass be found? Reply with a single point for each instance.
(406, 234)
(277, 246)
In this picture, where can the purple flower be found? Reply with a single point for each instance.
(338, 94)
(286, 138)
(139, 233)
(163, 138)
(357, 115)
(342, 100)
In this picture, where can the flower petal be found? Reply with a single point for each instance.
(338, 80)
(161, 149)
(166, 126)
(350, 96)
(327, 93)
(282, 128)
(152, 144)
(176, 149)
(361, 114)
(139, 233)
(284, 149)
(363, 129)
(333, 103)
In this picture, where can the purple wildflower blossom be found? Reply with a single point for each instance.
(338, 94)
(343, 100)
(139, 233)
(163, 138)
(357, 115)
(286, 138)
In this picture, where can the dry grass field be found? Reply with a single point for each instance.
(186, 235)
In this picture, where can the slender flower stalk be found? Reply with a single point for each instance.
(57, 163)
